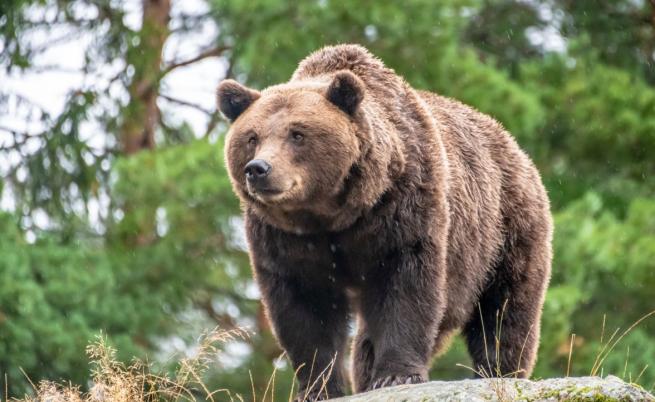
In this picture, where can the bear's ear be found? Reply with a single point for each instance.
(234, 98)
(346, 91)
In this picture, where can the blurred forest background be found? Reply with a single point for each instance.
(117, 215)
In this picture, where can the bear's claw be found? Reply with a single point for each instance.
(393, 380)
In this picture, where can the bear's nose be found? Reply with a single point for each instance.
(257, 169)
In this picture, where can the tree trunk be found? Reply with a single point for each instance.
(141, 115)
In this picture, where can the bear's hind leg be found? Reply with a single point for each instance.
(509, 311)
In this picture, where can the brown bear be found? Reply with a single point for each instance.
(414, 213)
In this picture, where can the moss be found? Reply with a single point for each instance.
(597, 397)
(578, 394)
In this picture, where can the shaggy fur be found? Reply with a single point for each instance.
(412, 212)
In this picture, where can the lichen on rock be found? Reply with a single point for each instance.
(574, 389)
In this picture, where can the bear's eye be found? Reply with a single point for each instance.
(252, 140)
(297, 136)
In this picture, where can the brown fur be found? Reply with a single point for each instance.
(415, 213)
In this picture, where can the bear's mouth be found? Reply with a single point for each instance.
(269, 195)
(267, 191)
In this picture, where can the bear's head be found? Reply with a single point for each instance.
(294, 150)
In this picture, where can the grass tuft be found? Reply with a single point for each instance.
(114, 381)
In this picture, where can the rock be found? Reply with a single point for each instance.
(580, 389)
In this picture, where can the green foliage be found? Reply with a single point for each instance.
(54, 299)
(596, 254)
(498, 30)
(600, 130)
(64, 170)
(621, 31)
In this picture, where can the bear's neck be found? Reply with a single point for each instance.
(306, 221)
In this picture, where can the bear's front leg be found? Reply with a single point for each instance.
(311, 324)
(401, 307)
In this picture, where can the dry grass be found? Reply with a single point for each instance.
(319, 384)
(113, 381)
(607, 348)
(503, 390)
